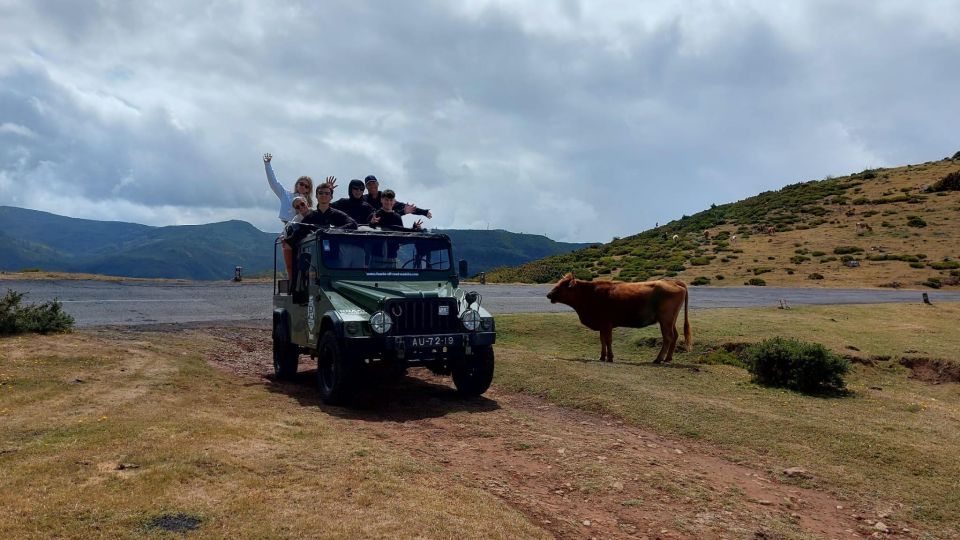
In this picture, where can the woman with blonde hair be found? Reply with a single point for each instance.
(302, 188)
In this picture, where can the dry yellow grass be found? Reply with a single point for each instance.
(102, 431)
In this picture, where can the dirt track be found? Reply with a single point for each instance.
(575, 474)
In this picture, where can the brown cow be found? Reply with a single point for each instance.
(605, 305)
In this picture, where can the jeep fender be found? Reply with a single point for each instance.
(331, 321)
(280, 314)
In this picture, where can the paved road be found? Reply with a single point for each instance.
(96, 303)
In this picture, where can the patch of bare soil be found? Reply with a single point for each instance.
(932, 370)
(576, 474)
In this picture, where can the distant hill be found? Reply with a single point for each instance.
(485, 250)
(33, 239)
(882, 227)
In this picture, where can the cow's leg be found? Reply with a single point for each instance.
(668, 338)
(606, 335)
(603, 347)
(674, 337)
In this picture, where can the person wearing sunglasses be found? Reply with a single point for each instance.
(326, 216)
(353, 205)
(302, 188)
(301, 210)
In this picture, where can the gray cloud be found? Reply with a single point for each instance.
(578, 120)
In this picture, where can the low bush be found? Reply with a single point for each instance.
(790, 363)
(761, 270)
(815, 275)
(916, 221)
(945, 265)
(44, 318)
(797, 259)
(699, 261)
(950, 182)
(719, 277)
(843, 250)
(818, 253)
(917, 265)
(700, 280)
(756, 282)
(933, 283)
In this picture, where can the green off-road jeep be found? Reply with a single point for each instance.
(370, 300)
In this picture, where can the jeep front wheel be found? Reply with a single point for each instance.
(334, 374)
(473, 376)
(286, 355)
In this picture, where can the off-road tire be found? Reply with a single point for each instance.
(336, 379)
(286, 355)
(473, 376)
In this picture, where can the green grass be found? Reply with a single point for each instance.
(898, 444)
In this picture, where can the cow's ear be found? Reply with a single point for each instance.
(573, 281)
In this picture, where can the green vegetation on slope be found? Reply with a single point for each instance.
(721, 241)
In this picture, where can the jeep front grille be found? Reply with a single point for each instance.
(422, 316)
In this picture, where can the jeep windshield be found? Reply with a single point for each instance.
(402, 252)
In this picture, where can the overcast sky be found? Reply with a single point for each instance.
(578, 120)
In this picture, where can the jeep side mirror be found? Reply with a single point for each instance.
(463, 268)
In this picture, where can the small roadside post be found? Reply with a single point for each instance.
(238, 273)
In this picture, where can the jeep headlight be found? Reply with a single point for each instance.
(380, 322)
(470, 319)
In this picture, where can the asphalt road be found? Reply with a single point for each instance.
(97, 303)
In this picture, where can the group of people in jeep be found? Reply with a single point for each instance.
(374, 208)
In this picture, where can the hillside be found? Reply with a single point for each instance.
(884, 227)
(32, 239)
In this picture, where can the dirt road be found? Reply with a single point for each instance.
(575, 474)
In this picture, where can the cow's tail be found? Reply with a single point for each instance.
(687, 334)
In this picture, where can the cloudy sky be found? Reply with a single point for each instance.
(581, 120)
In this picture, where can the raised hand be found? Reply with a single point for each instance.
(418, 225)
(409, 208)
(429, 214)
(331, 182)
(374, 219)
(267, 158)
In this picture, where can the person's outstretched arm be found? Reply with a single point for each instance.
(272, 178)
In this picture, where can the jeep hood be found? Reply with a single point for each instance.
(368, 294)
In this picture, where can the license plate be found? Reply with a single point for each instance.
(431, 342)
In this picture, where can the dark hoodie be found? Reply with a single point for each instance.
(355, 207)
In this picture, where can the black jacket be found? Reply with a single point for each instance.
(358, 209)
(390, 221)
(398, 206)
(331, 219)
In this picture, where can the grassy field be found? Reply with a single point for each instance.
(892, 441)
(103, 434)
(112, 433)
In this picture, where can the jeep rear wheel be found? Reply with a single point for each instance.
(473, 376)
(335, 376)
(286, 355)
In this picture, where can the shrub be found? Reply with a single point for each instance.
(797, 259)
(790, 363)
(699, 261)
(945, 265)
(917, 265)
(843, 250)
(933, 283)
(756, 282)
(916, 221)
(950, 182)
(45, 318)
(818, 254)
(761, 270)
(700, 280)
(719, 277)
(815, 275)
